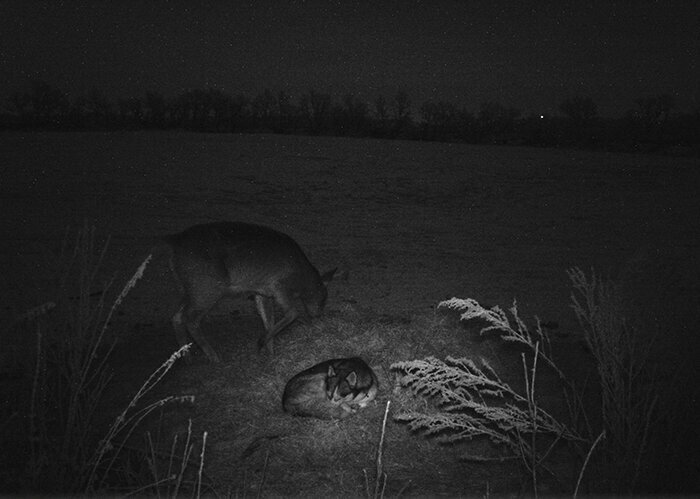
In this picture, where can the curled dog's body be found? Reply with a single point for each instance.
(333, 389)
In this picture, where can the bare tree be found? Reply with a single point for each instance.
(497, 121)
(155, 109)
(381, 108)
(46, 104)
(316, 108)
(130, 111)
(580, 110)
(401, 106)
(265, 110)
(354, 114)
(655, 110)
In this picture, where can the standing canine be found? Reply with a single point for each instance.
(222, 259)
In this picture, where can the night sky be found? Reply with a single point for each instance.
(529, 55)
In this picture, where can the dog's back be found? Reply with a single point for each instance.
(333, 389)
(305, 395)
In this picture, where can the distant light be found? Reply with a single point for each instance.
(541, 116)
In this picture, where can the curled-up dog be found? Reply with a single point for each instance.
(333, 389)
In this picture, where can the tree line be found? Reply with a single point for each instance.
(652, 126)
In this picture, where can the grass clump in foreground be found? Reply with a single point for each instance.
(473, 401)
(56, 402)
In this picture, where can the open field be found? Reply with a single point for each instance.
(408, 224)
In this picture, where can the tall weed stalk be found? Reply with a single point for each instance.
(109, 450)
(630, 385)
(70, 367)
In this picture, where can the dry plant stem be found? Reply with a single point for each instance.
(460, 386)
(462, 389)
(153, 463)
(630, 387)
(155, 485)
(68, 359)
(129, 285)
(185, 458)
(85, 383)
(99, 370)
(380, 453)
(532, 407)
(133, 422)
(585, 463)
(498, 321)
(32, 314)
(264, 474)
(34, 438)
(121, 421)
(537, 461)
(172, 456)
(521, 334)
(403, 489)
(77, 386)
(201, 465)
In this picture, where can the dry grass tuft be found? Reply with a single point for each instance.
(68, 374)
